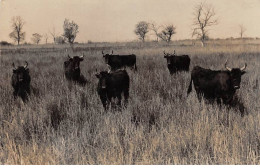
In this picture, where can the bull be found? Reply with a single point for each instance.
(177, 63)
(218, 85)
(72, 70)
(120, 61)
(112, 85)
(21, 82)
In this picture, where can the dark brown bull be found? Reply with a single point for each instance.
(177, 63)
(21, 81)
(120, 61)
(112, 85)
(72, 70)
(218, 85)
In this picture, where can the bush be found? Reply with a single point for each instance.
(5, 43)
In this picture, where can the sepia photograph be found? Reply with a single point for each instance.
(129, 82)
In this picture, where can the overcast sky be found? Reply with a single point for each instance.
(115, 20)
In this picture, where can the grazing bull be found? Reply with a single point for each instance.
(218, 85)
(177, 63)
(112, 85)
(21, 82)
(119, 61)
(72, 70)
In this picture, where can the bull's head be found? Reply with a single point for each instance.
(168, 57)
(74, 62)
(106, 56)
(21, 72)
(235, 74)
(102, 76)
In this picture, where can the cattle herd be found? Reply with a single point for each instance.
(219, 86)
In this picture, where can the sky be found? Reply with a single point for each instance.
(115, 20)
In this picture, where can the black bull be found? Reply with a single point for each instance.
(119, 61)
(72, 70)
(218, 85)
(112, 85)
(177, 63)
(21, 82)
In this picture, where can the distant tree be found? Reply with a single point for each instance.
(53, 34)
(204, 17)
(167, 32)
(46, 37)
(60, 40)
(17, 26)
(141, 29)
(242, 30)
(36, 38)
(153, 26)
(70, 30)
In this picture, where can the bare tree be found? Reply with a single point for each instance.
(46, 37)
(17, 25)
(70, 30)
(167, 32)
(141, 30)
(36, 38)
(204, 17)
(242, 30)
(53, 34)
(153, 26)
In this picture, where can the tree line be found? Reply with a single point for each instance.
(18, 35)
(204, 18)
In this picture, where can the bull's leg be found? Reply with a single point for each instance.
(15, 94)
(126, 96)
(103, 99)
(119, 97)
(104, 103)
(236, 103)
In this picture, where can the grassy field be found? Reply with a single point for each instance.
(185, 131)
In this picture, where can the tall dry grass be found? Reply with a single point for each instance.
(62, 125)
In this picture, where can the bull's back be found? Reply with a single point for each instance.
(119, 79)
(129, 59)
(209, 80)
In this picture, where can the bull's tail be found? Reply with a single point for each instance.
(190, 87)
(135, 67)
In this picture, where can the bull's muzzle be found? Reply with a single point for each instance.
(236, 87)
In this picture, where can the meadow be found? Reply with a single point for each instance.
(63, 125)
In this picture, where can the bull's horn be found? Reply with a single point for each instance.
(112, 52)
(244, 67)
(26, 64)
(164, 52)
(13, 65)
(102, 52)
(82, 56)
(69, 56)
(229, 69)
(174, 52)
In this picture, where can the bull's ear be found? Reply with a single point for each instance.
(27, 70)
(14, 70)
(243, 72)
(97, 75)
